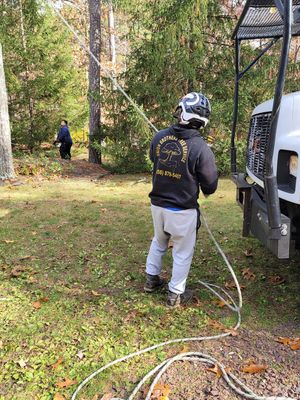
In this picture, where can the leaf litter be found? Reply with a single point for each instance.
(66, 383)
(294, 344)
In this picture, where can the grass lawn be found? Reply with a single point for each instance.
(72, 255)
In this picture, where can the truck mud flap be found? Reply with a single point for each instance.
(259, 227)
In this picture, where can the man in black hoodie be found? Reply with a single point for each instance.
(65, 139)
(183, 164)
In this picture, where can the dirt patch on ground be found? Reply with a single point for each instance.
(74, 169)
(192, 381)
(82, 169)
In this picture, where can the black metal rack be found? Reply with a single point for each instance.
(265, 19)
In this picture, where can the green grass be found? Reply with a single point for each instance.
(76, 238)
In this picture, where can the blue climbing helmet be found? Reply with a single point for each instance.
(193, 109)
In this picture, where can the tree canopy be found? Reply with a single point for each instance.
(164, 49)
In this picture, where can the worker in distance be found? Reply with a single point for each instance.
(182, 165)
(65, 140)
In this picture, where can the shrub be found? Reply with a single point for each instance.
(221, 148)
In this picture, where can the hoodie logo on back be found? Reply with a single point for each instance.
(170, 153)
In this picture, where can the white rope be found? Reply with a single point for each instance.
(233, 382)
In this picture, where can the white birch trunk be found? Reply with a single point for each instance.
(6, 160)
(112, 36)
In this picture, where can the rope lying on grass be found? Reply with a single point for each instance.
(232, 381)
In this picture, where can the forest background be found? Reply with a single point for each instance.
(164, 49)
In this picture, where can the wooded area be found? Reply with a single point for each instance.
(86, 311)
(158, 51)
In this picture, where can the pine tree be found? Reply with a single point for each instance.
(182, 46)
(42, 81)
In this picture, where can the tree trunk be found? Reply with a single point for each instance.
(94, 82)
(30, 101)
(112, 36)
(6, 161)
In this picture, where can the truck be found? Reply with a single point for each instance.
(268, 191)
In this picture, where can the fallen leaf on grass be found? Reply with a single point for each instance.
(254, 368)
(130, 316)
(293, 343)
(248, 274)
(33, 272)
(57, 363)
(232, 332)
(107, 396)
(18, 270)
(8, 241)
(248, 253)
(216, 324)
(37, 305)
(22, 363)
(221, 303)
(104, 210)
(161, 391)
(44, 299)
(216, 370)
(232, 285)
(66, 383)
(221, 327)
(80, 355)
(31, 279)
(96, 294)
(284, 340)
(27, 258)
(185, 349)
(276, 280)
(58, 396)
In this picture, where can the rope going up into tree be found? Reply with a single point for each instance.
(106, 70)
(233, 382)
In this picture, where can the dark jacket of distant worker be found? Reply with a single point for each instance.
(65, 139)
(183, 164)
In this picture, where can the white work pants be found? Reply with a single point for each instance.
(181, 228)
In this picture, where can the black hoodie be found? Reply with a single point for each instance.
(182, 162)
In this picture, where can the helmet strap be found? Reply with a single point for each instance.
(177, 113)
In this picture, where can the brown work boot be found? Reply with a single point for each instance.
(153, 283)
